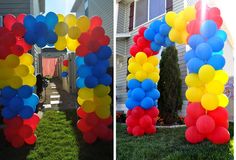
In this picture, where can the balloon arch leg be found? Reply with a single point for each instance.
(82, 35)
(206, 117)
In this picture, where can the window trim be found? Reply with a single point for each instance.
(149, 20)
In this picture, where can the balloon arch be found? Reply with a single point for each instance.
(82, 35)
(206, 117)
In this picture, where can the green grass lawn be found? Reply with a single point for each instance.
(169, 144)
(58, 139)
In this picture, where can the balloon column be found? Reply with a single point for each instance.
(94, 83)
(65, 64)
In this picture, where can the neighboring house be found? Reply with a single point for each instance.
(33, 7)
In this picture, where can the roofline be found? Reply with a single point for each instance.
(75, 5)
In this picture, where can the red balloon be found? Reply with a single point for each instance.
(148, 51)
(195, 110)
(131, 121)
(20, 18)
(109, 135)
(129, 113)
(15, 122)
(142, 30)
(84, 38)
(10, 39)
(219, 136)
(17, 50)
(218, 20)
(189, 121)
(3, 30)
(137, 112)
(214, 11)
(10, 133)
(142, 42)
(220, 115)
(82, 51)
(81, 113)
(25, 131)
(9, 20)
(135, 38)
(21, 42)
(83, 126)
(134, 49)
(89, 137)
(145, 121)
(18, 29)
(193, 136)
(93, 45)
(153, 112)
(104, 41)
(154, 121)
(150, 130)
(138, 131)
(129, 130)
(95, 21)
(193, 27)
(91, 119)
(97, 33)
(205, 124)
(33, 120)
(107, 121)
(31, 140)
(4, 52)
(17, 141)
(100, 130)
(66, 62)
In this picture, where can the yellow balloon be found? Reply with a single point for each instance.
(26, 59)
(60, 17)
(3, 84)
(223, 100)
(206, 73)
(130, 76)
(83, 23)
(209, 101)
(141, 57)
(221, 76)
(15, 82)
(70, 20)
(29, 80)
(153, 60)
(12, 60)
(174, 35)
(61, 29)
(148, 67)
(74, 32)
(2, 63)
(6, 73)
(134, 67)
(85, 93)
(184, 36)
(80, 100)
(170, 18)
(192, 80)
(72, 44)
(189, 13)
(22, 70)
(101, 90)
(154, 76)
(64, 68)
(194, 94)
(88, 106)
(131, 60)
(103, 101)
(141, 75)
(61, 43)
(103, 112)
(215, 87)
(31, 69)
(180, 23)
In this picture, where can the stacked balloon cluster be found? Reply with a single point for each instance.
(158, 33)
(20, 131)
(93, 82)
(65, 64)
(206, 117)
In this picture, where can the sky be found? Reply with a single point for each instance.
(59, 6)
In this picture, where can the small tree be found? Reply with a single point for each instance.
(169, 86)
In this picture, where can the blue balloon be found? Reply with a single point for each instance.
(27, 112)
(149, 34)
(220, 52)
(7, 113)
(147, 103)
(130, 103)
(25, 91)
(133, 83)
(208, 29)
(155, 47)
(138, 94)
(79, 61)
(104, 63)
(99, 70)
(147, 84)
(5, 101)
(30, 37)
(104, 52)
(195, 40)
(80, 83)
(154, 94)
(203, 51)
(90, 59)
(41, 42)
(221, 34)
(105, 80)
(168, 42)
(32, 101)
(159, 39)
(217, 61)
(29, 22)
(129, 93)
(16, 104)
(40, 18)
(52, 37)
(41, 29)
(164, 29)
(64, 74)
(51, 20)
(8, 92)
(91, 81)
(84, 71)
(216, 43)
(194, 65)
(189, 55)
(156, 25)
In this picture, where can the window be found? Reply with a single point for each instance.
(86, 8)
(146, 10)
